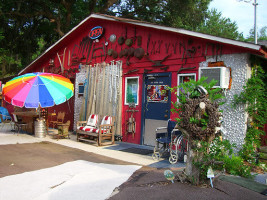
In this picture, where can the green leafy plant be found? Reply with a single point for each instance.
(203, 122)
(235, 165)
(255, 98)
(188, 90)
(215, 153)
(219, 156)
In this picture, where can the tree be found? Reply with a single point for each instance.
(7, 62)
(217, 25)
(185, 14)
(254, 96)
(26, 23)
(262, 35)
(31, 26)
(199, 121)
(175, 13)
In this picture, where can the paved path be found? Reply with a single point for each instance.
(25, 153)
(109, 151)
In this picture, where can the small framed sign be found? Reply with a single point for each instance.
(96, 32)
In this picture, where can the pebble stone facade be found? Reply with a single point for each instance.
(234, 119)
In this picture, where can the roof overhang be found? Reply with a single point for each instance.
(180, 31)
(251, 46)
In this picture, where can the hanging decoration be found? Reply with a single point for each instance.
(131, 122)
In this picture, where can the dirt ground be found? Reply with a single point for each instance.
(145, 183)
(19, 158)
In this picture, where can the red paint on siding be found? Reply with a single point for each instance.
(182, 51)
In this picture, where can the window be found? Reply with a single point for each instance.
(81, 90)
(182, 78)
(131, 90)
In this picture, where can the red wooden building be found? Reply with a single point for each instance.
(148, 58)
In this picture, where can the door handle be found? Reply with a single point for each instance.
(165, 116)
(166, 111)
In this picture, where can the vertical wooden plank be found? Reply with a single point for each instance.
(106, 92)
(101, 111)
(93, 77)
(111, 89)
(98, 66)
(90, 91)
(120, 101)
(94, 93)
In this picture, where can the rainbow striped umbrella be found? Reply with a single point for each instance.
(38, 89)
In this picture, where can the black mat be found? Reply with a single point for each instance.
(138, 151)
(247, 183)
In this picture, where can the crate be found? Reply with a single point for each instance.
(63, 130)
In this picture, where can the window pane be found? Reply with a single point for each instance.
(81, 89)
(132, 90)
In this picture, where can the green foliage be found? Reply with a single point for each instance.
(6, 61)
(1, 49)
(262, 35)
(185, 14)
(235, 166)
(217, 25)
(41, 44)
(254, 96)
(203, 122)
(175, 13)
(188, 90)
(219, 156)
(26, 23)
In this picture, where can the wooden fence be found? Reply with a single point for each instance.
(103, 92)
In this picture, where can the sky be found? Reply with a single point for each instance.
(242, 13)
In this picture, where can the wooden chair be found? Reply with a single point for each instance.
(59, 120)
(19, 124)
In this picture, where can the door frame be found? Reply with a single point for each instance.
(143, 98)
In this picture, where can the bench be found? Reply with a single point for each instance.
(89, 130)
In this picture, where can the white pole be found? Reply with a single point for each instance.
(255, 21)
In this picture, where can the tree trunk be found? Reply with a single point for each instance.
(191, 170)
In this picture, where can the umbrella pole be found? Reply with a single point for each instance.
(38, 110)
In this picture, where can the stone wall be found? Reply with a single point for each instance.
(80, 78)
(234, 119)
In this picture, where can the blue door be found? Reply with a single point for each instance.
(157, 104)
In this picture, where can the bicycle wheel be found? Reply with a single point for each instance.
(178, 149)
(182, 150)
(155, 156)
(173, 158)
